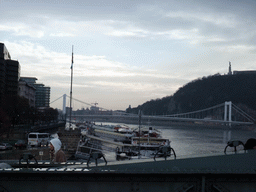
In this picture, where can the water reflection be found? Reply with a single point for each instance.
(226, 136)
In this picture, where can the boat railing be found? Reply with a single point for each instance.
(109, 133)
(109, 141)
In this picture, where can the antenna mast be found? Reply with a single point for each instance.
(70, 110)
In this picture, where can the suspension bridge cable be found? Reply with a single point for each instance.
(88, 103)
(56, 99)
(81, 101)
(243, 113)
(248, 117)
(93, 105)
(202, 110)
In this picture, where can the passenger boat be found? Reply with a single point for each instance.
(126, 143)
(120, 135)
(149, 147)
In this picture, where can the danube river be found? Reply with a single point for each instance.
(199, 140)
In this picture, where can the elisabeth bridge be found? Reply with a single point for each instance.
(225, 113)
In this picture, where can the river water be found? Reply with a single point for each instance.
(188, 141)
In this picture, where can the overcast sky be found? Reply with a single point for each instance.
(127, 52)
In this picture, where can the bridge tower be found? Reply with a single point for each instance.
(228, 111)
(64, 104)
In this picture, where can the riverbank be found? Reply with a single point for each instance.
(170, 124)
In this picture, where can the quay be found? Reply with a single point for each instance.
(230, 172)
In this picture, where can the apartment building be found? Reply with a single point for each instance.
(27, 91)
(9, 74)
(42, 93)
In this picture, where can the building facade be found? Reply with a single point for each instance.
(42, 93)
(9, 74)
(27, 91)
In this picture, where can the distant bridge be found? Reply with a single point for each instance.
(225, 113)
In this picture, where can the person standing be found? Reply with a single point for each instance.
(56, 154)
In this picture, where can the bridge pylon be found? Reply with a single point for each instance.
(64, 104)
(228, 111)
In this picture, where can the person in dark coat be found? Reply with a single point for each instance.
(250, 144)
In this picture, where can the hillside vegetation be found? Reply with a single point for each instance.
(203, 93)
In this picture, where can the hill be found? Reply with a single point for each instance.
(205, 92)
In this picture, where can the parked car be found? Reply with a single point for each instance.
(36, 139)
(5, 146)
(20, 144)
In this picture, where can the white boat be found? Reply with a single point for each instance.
(122, 135)
(125, 142)
(149, 147)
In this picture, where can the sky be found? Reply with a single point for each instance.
(126, 52)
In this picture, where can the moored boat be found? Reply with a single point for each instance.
(125, 142)
(149, 147)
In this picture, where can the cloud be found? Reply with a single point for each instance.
(126, 48)
(240, 49)
(47, 65)
(188, 25)
(223, 19)
(21, 29)
(62, 35)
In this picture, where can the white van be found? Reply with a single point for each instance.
(38, 139)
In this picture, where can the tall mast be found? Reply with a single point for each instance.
(139, 130)
(72, 61)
